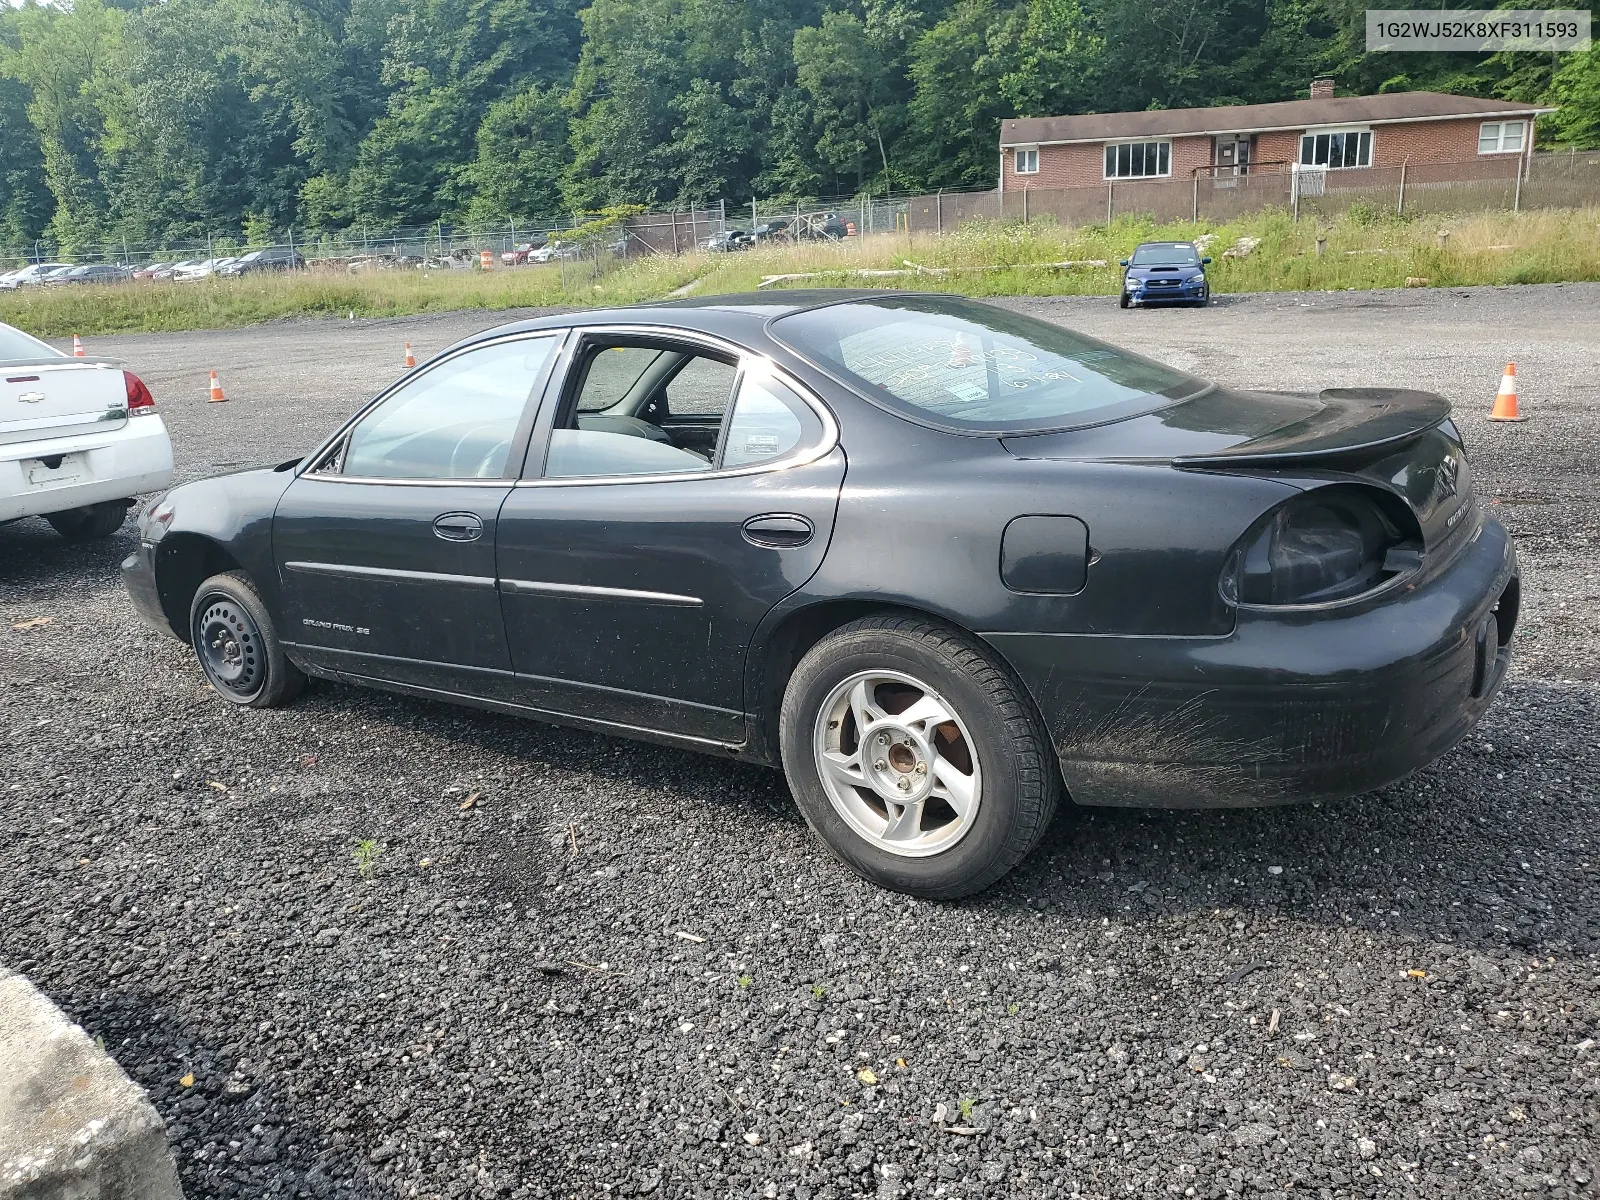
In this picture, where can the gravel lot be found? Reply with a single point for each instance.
(573, 966)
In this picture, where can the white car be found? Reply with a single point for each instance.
(30, 275)
(202, 270)
(80, 438)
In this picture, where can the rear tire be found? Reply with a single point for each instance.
(916, 756)
(90, 522)
(237, 643)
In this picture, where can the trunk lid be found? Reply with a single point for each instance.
(1229, 428)
(59, 397)
(1393, 438)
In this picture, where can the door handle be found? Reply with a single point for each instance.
(458, 527)
(778, 531)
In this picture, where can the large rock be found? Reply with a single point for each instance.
(72, 1125)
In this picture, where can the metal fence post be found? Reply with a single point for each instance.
(1194, 205)
(1025, 192)
(1109, 186)
(1400, 205)
(939, 210)
(1516, 196)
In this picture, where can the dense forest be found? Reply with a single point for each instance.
(158, 121)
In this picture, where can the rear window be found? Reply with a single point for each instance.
(16, 346)
(974, 368)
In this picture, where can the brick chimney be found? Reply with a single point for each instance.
(1322, 89)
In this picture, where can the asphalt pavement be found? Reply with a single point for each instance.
(366, 946)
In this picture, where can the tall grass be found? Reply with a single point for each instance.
(1364, 248)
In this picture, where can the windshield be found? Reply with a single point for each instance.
(16, 346)
(1166, 254)
(976, 368)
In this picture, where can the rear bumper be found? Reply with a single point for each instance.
(1287, 708)
(116, 465)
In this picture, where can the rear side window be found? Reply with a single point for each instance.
(973, 368)
(768, 422)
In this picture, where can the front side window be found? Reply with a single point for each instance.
(1501, 137)
(1138, 160)
(966, 366)
(1027, 162)
(456, 421)
(1343, 148)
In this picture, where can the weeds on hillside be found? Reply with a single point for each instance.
(1366, 247)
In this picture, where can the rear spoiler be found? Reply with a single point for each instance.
(20, 366)
(1352, 421)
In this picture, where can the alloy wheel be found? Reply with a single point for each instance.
(897, 763)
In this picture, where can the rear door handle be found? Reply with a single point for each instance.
(778, 531)
(459, 527)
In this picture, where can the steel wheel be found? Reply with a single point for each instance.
(897, 763)
(230, 647)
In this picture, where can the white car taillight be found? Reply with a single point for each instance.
(140, 401)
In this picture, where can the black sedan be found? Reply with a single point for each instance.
(943, 563)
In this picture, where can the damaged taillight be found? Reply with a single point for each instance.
(1327, 545)
(140, 401)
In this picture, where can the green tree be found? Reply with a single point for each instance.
(522, 155)
(857, 102)
(62, 56)
(957, 105)
(1576, 88)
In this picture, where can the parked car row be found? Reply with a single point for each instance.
(50, 274)
(826, 227)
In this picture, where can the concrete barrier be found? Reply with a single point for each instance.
(72, 1125)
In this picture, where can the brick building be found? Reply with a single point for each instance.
(1326, 132)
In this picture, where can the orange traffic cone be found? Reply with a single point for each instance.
(77, 346)
(411, 359)
(1505, 404)
(216, 390)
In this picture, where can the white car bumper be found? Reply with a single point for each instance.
(115, 465)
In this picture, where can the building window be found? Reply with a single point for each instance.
(1027, 162)
(1501, 137)
(1338, 148)
(1138, 160)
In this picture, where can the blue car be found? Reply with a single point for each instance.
(1164, 273)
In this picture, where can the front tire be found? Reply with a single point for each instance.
(237, 643)
(916, 757)
(90, 522)
(1122, 300)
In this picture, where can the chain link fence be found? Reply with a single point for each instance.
(1565, 179)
